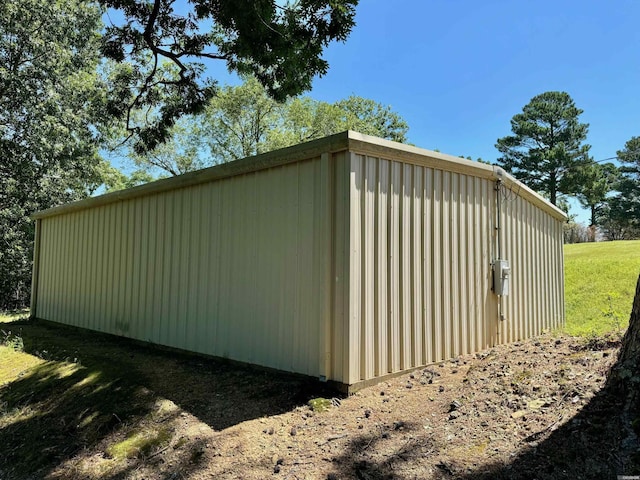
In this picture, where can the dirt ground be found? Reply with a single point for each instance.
(533, 409)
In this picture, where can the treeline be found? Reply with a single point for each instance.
(242, 121)
(549, 153)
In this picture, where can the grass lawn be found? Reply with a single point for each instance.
(13, 361)
(600, 282)
(7, 317)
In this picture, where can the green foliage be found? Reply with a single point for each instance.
(615, 221)
(179, 154)
(238, 121)
(49, 96)
(624, 207)
(113, 179)
(546, 145)
(280, 44)
(302, 120)
(305, 119)
(243, 121)
(594, 183)
(600, 280)
(618, 215)
(319, 405)
(11, 340)
(367, 116)
(140, 444)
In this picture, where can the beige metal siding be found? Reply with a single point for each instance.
(341, 324)
(235, 268)
(421, 245)
(532, 242)
(365, 260)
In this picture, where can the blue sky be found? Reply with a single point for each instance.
(457, 71)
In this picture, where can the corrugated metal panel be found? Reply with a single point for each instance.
(349, 266)
(340, 330)
(421, 243)
(531, 239)
(231, 268)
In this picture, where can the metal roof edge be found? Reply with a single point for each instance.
(348, 140)
(369, 145)
(275, 158)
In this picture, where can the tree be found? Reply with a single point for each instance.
(619, 216)
(280, 43)
(367, 116)
(628, 198)
(178, 155)
(112, 179)
(49, 93)
(595, 182)
(244, 120)
(546, 145)
(305, 119)
(614, 221)
(237, 122)
(623, 381)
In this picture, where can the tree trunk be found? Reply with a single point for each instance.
(624, 382)
(553, 188)
(625, 375)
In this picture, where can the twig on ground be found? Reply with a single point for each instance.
(335, 437)
(535, 436)
(158, 452)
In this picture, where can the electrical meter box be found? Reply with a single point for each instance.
(501, 274)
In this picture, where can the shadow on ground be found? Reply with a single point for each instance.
(60, 407)
(588, 446)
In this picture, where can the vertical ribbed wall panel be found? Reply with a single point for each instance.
(421, 244)
(232, 268)
(531, 242)
(347, 266)
(341, 314)
(414, 256)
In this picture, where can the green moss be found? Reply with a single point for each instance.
(180, 443)
(320, 404)
(140, 444)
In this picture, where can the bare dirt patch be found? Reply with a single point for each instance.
(533, 409)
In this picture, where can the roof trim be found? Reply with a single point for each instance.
(349, 140)
(374, 146)
(276, 158)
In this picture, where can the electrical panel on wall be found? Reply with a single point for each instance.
(501, 274)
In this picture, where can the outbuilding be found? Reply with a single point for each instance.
(348, 258)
